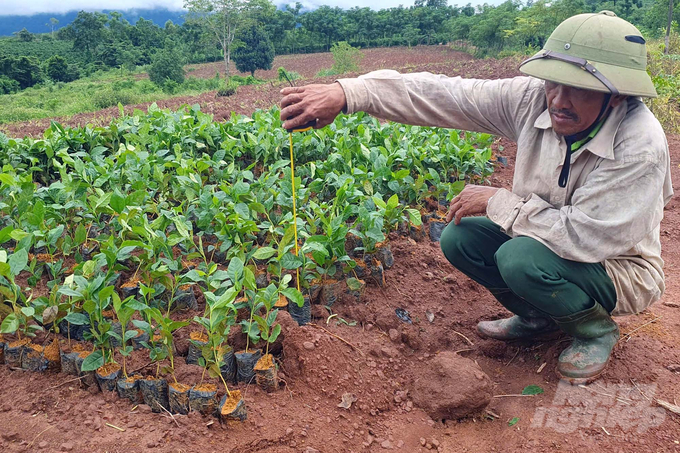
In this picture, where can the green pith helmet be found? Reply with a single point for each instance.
(599, 52)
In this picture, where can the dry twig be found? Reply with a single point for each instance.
(39, 434)
(513, 357)
(668, 406)
(338, 337)
(115, 427)
(171, 416)
(65, 382)
(466, 338)
(628, 335)
(516, 394)
(540, 368)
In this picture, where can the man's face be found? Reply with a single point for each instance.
(572, 110)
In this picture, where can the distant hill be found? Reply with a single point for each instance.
(36, 23)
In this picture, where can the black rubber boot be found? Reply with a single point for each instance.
(595, 335)
(528, 322)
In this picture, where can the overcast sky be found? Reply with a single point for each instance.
(22, 7)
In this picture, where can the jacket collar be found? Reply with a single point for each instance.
(602, 144)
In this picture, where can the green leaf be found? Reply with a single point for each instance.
(368, 188)
(264, 253)
(28, 311)
(414, 216)
(532, 390)
(81, 235)
(354, 284)
(93, 362)
(513, 421)
(457, 187)
(18, 261)
(393, 202)
(117, 202)
(10, 324)
(379, 202)
(294, 296)
(77, 319)
(66, 291)
(89, 267)
(130, 334)
(275, 333)
(235, 269)
(249, 281)
(290, 261)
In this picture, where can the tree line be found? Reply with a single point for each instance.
(214, 29)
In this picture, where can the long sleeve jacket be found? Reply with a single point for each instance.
(619, 182)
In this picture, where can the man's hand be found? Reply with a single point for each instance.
(472, 200)
(319, 102)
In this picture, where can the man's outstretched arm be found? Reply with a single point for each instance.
(499, 107)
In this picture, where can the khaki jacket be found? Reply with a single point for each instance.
(618, 184)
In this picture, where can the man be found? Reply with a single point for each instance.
(577, 238)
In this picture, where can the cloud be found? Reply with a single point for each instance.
(24, 8)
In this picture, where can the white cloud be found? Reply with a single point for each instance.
(23, 8)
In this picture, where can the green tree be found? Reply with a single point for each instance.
(7, 85)
(88, 31)
(57, 69)
(52, 23)
(255, 50)
(224, 18)
(166, 66)
(24, 35)
(345, 57)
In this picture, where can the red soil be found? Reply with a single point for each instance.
(380, 366)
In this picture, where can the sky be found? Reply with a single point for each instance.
(24, 8)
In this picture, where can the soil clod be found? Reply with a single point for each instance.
(451, 387)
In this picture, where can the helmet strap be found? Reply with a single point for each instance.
(571, 139)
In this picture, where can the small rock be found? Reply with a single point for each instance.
(394, 334)
(428, 276)
(43, 444)
(672, 304)
(675, 368)
(151, 444)
(422, 441)
(311, 450)
(400, 443)
(66, 446)
(435, 442)
(386, 444)
(303, 433)
(308, 345)
(289, 431)
(10, 436)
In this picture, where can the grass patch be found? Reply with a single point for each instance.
(101, 90)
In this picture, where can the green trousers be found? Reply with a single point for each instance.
(523, 274)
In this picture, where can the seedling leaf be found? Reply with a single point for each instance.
(93, 361)
(513, 421)
(532, 390)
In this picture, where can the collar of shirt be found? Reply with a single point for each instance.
(602, 144)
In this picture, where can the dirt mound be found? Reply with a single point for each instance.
(451, 387)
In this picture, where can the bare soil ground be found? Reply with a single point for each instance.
(381, 367)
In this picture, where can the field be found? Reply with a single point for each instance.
(227, 184)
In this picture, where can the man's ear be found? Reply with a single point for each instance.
(616, 100)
